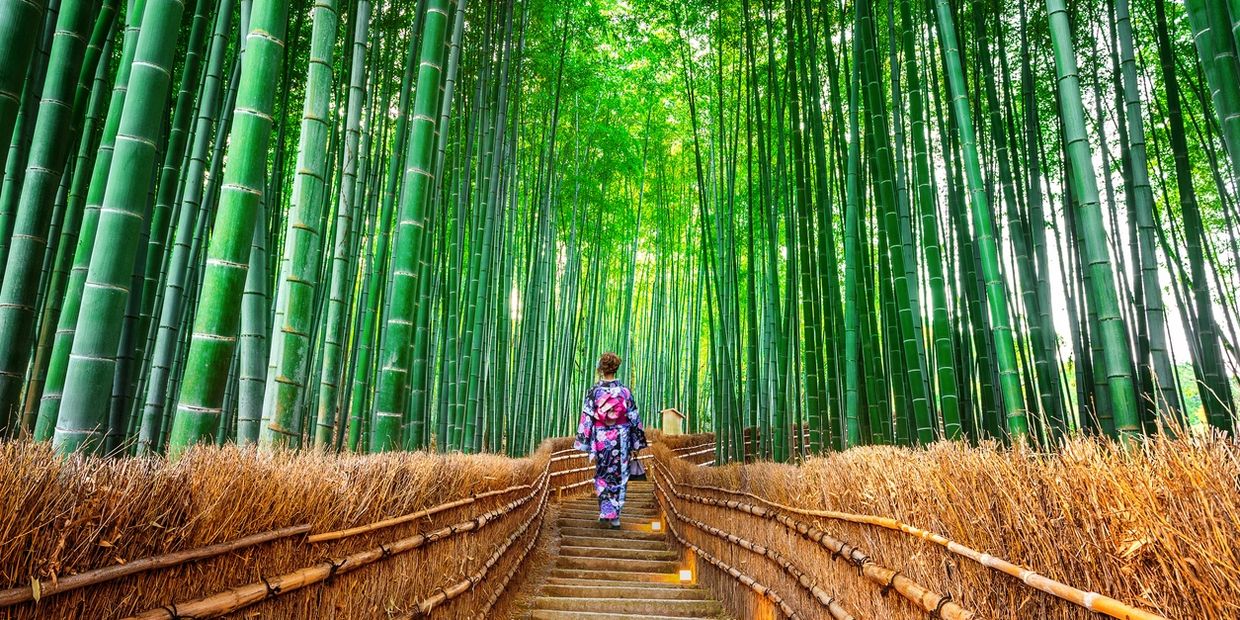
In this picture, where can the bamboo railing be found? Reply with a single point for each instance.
(939, 605)
(237, 598)
(451, 591)
(39, 590)
(825, 599)
(671, 491)
(1093, 601)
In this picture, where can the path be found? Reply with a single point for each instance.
(627, 574)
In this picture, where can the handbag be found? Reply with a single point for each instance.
(637, 471)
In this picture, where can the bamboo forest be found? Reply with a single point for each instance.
(946, 291)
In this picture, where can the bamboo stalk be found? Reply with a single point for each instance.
(23, 594)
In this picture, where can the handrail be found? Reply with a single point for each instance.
(1092, 601)
(22, 594)
(243, 596)
(919, 595)
(805, 581)
(405, 518)
(447, 593)
(736, 574)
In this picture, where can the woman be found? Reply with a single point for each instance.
(611, 432)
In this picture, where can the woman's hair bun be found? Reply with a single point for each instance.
(609, 363)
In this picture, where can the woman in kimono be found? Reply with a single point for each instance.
(611, 431)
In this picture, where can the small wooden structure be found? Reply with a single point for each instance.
(673, 421)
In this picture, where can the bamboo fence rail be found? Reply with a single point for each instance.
(37, 590)
(1092, 601)
(237, 598)
(827, 600)
(449, 592)
(378, 525)
(759, 589)
(133, 588)
(939, 605)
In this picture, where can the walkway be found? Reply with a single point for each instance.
(627, 574)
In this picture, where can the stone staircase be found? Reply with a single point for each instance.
(627, 574)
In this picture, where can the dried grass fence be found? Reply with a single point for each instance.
(227, 531)
(955, 532)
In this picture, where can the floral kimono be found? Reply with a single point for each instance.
(610, 431)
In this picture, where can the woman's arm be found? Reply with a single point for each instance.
(638, 433)
(585, 427)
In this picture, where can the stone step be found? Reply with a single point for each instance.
(594, 530)
(555, 614)
(625, 512)
(628, 509)
(618, 565)
(630, 504)
(668, 584)
(625, 524)
(618, 553)
(612, 576)
(672, 608)
(594, 540)
(593, 589)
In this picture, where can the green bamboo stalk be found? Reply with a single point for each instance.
(58, 365)
(394, 372)
(89, 378)
(1114, 334)
(295, 316)
(1001, 331)
(19, 33)
(216, 322)
(49, 151)
(345, 207)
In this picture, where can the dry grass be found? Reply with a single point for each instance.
(63, 516)
(1157, 526)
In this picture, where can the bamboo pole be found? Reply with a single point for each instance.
(885, 577)
(826, 600)
(447, 593)
(385, 523)
(752, 583)
(237, 598)
(23, 594)
(1092, 601)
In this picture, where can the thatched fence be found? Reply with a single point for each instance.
(227, 531)
(1092, 531)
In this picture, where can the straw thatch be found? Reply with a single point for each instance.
(61, 517)
(1155, 526)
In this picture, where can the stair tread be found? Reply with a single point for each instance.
(577, 581)
(641, 591)
(670, 607)
(555, 614)
(629, 573)
(618, 543)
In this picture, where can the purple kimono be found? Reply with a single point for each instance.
(611, 442)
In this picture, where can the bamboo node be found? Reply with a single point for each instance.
(938, 609)
(272, 591)
(891, 583)
(335, 566)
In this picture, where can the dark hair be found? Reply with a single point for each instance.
(609, 363)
